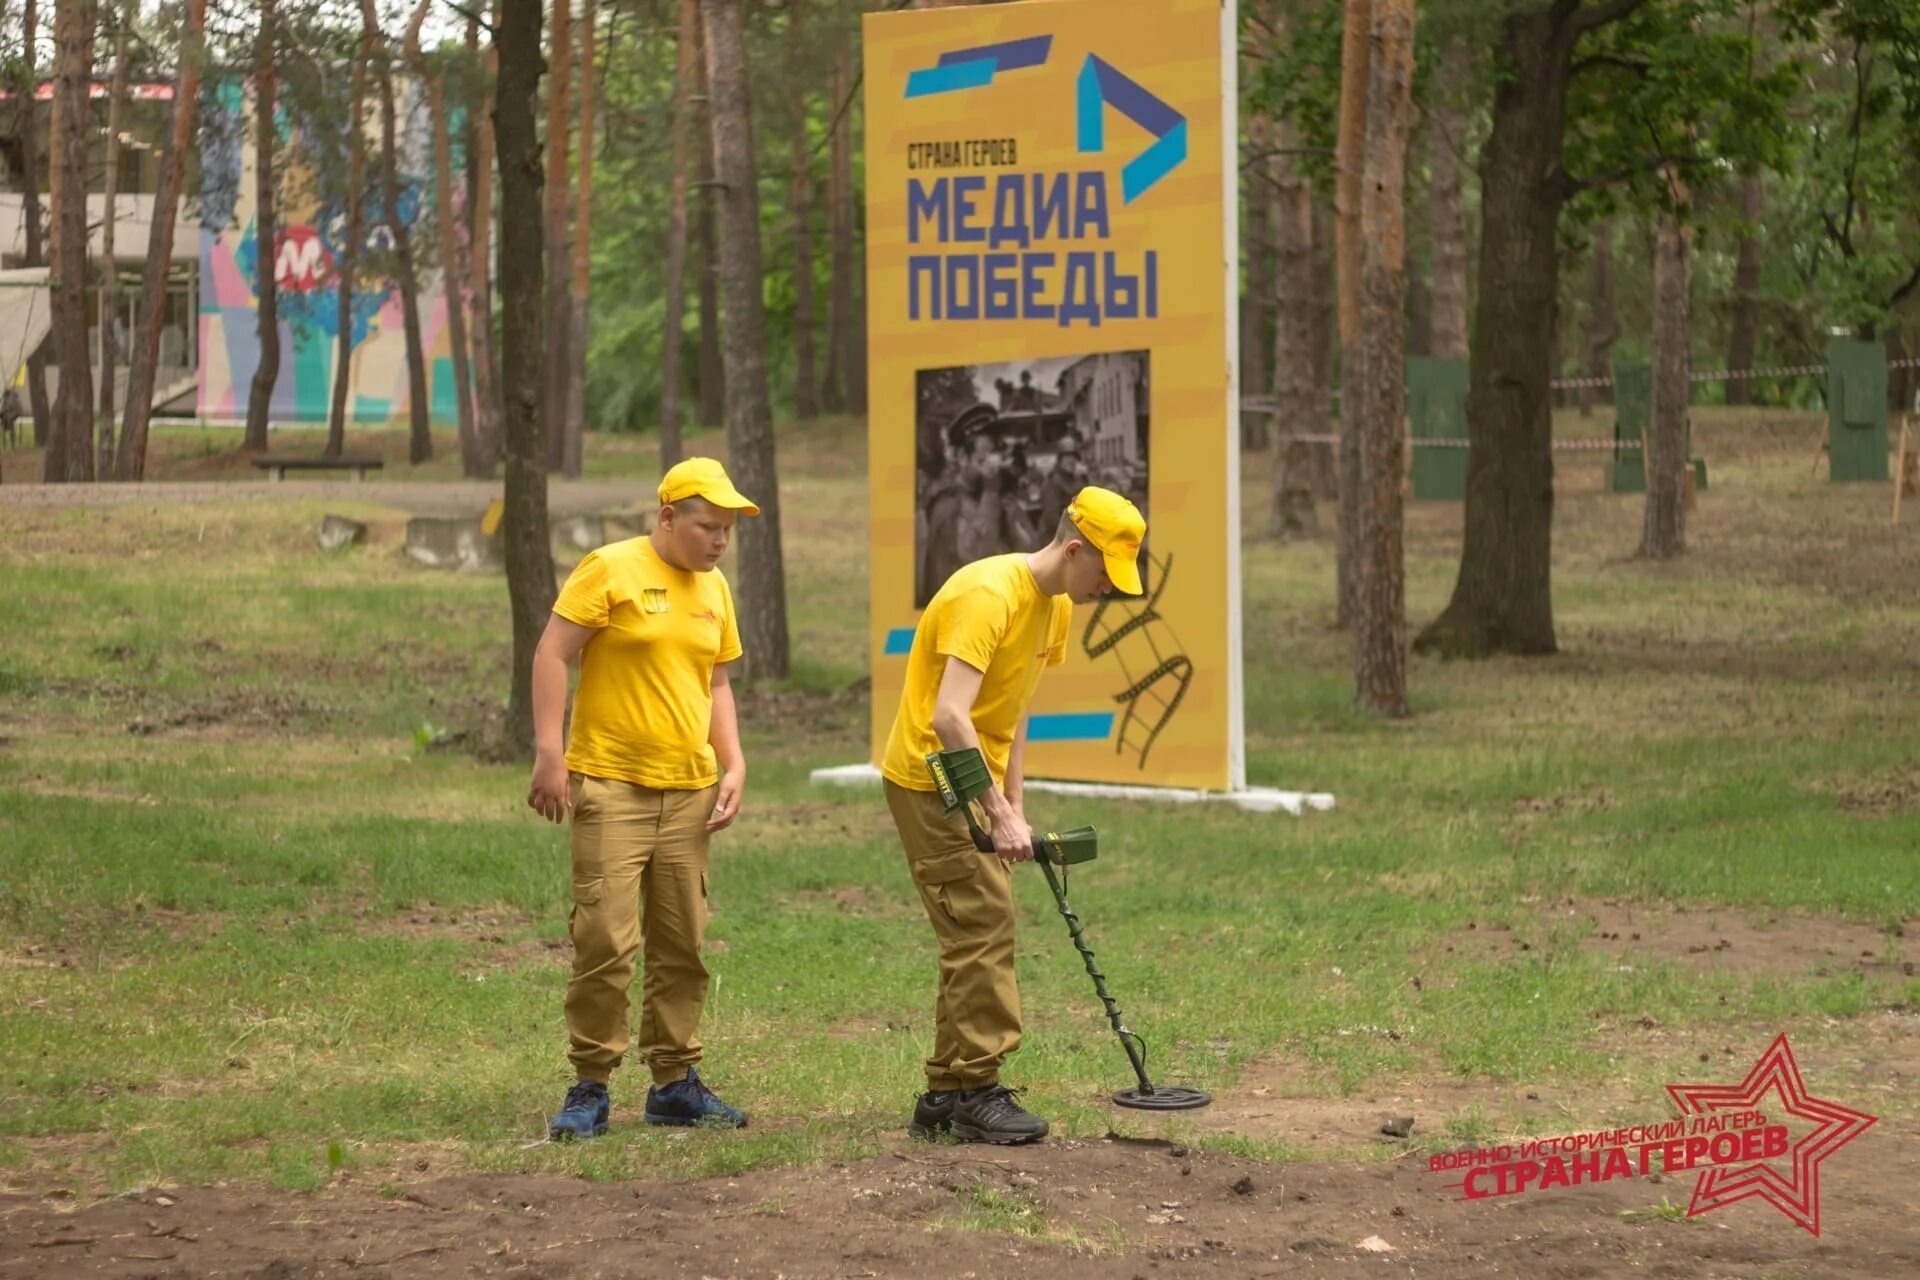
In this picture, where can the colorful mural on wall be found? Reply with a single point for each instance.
(313, 226)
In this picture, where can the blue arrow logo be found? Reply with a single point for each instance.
(1102, 86)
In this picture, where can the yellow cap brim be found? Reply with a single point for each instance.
(1123, 571)
(726, 497)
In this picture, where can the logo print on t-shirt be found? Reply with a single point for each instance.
(653, 599)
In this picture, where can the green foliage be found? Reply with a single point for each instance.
(1677, 86)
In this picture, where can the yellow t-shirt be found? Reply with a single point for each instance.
(645, 701)
(992, 616)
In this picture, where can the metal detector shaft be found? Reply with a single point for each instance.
(1128, 1040)
(1074, 930)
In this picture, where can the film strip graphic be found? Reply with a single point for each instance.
(1157, 672)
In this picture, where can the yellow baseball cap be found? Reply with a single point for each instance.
(1115, 527)
(705, 478)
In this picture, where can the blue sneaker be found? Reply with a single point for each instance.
(689, 1102)
(585, 1113)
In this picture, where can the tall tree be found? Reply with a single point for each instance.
(1746, 291)
(1300, 402)
(686, 79)
(806, 386)
(1664, 531)
(763, 590)
(109, 309)
(1320, 309)
(143, 364)
(559, 310)
(1380, 625)
(1447, 210)
(1350, 149)
(1655, 87)
(479, 250)
(529, 561)
(70, 445)
(582, 243)
(1257, 276)
(345, 266)
(400, 229)
(835, 392)
(713, 374)
(37, 401)
(266, 234)
(434, 79)
(857, 349)
(1603, 322)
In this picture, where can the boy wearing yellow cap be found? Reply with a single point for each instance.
(976, 659)
(651, 769)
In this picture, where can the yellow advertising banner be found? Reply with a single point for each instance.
(1051, 267)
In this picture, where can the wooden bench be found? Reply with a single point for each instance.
(277, 468)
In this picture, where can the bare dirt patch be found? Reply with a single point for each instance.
(1100, 1208)
(1741, 941)
(1732, 940)
(1284, 1098)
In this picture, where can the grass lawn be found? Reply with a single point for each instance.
(263, 917)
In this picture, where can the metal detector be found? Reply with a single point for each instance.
(961, 777)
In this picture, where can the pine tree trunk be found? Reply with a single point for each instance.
(1603, 323)
(559, 309)
(142, 364)
(806, 383)
(1320, 310)
(109, 268)
(1664, 532)
(419, 408)
(479, 260)
(1901, 381)
(1350, 147)
(1503, 599)
(762, 587)
(451, 276)
(582, 274)
(266, 235)
(1299, 402)
(1746, 291)
(529, 560)
(834, 393)
(1256, 293)
(345, 267)
(37, 249)
(69, 457)
(1447, 210)
(686, 79)
(1380, 631)
(713, 374)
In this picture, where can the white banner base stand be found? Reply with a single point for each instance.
(1252, 799)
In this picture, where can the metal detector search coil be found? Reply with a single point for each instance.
(961, 777)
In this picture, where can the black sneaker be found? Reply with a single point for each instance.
(689, 1103)
(932, 1114)
(992, 1115)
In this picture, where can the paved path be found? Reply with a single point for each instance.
(451, 497)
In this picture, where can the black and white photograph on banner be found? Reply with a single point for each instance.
(1002, 448)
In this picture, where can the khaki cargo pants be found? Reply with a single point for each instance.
(639, 871)
(969, 900)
